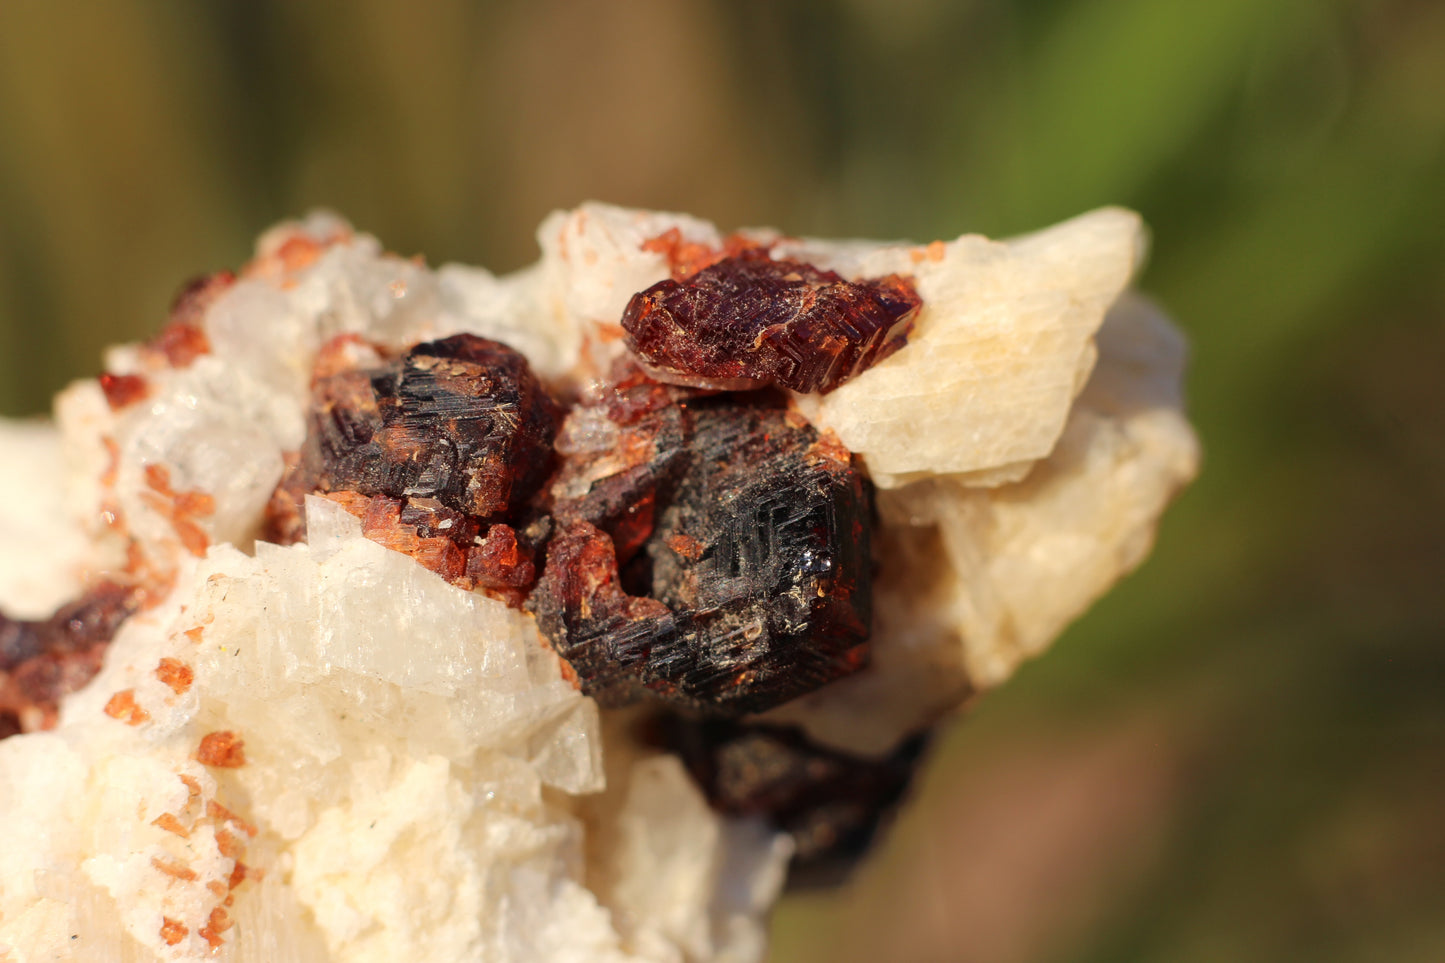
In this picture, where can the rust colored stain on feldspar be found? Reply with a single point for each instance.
(722, 567)
(749, 320)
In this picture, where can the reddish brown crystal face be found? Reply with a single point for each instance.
(462, 422)
(749, 587)
(749, 320)
(436, 453)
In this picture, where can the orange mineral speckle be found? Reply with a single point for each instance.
(174, 870)
(192, 536)
(229, 845)
(158, 478)
(123, 706)
(175, 673)
(238, 874)
(171, 824)
(173, 931)
(182, 508)
(123, 390)
(933, 252)
(686, 546)
(685, 258)
(195, 502)
(299, 251)
(160, 504)
(191, 784)
(194, 634)
(219, 922)
(112, 461)
(223, 815)
(180, 344)
(223, 749)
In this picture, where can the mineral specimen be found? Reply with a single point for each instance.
(324, 751)
(749, 320)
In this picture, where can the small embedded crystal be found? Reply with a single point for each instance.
(41, 661)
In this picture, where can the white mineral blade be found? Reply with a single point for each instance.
(681, 876)
(1018, 562)
(999, 351)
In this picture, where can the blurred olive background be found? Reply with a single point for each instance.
(1240, 754)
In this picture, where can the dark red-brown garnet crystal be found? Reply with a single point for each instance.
(462, 420)
(751, 320)
(746, 585)
(460, 425)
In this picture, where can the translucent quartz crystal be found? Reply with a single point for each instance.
(325, 751)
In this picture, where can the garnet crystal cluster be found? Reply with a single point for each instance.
(705, 549)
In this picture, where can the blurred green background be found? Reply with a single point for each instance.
(1240, 754)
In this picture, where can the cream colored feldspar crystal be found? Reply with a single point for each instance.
(420, 778)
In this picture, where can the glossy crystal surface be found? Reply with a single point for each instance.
(746, 584)
(749, 320)
(462, 423)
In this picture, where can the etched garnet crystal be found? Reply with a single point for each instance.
(831, 802)
(462, 420)
(743, 582)
(750, 320)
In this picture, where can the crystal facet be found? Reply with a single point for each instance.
(461, 421)
(752, 586)
(749, 320)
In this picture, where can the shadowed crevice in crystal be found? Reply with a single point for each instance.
(832, 803)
